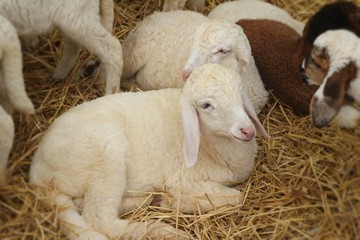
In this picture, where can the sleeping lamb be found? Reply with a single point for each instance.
(337, 53)
(187, 142)
(164, 48)
(87, 23)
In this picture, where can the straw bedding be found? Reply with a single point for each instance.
(306, 184)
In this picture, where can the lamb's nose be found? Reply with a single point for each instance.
(186, 74)
(248, 132)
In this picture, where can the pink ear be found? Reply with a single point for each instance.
(191, 134)
(252, 114)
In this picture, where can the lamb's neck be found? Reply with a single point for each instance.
(228, 152)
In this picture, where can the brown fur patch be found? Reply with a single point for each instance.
(317, 65)
(325, 109)
(275, 48)
(337, 85)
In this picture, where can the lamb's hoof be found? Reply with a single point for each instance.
(91, 67)
(27, 107)
(156, 201)
(57, 78)
(164, 231)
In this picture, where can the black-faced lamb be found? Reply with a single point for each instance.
(157, 53)
(83, 23)
(254, 9)
(337, 52)
(171, 5)
(12, 88)
(187, 142)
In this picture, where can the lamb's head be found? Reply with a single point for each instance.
(334, 65)
(332, 16)
(219, 41)
(333, 45)
(214, 103)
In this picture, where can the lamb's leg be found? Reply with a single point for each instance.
(12, 74)
(206, 195)
(92, 35)
(68, 58)
(74, 225)
(103, 198)
(107, 20)
(107, 14)
(6, 141)
(131, 203)
(127, 204)
(101, 206)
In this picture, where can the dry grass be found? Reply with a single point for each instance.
(306, 184)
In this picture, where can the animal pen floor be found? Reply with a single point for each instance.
(306, 184)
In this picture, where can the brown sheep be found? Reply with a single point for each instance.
(279, 51)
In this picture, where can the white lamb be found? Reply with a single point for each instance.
(6, 141)
(336, 55)
(157, 50)
(187, 142)
(254, 9)
(12, 87)
(87, 23)
(170, 5)
(221, 41)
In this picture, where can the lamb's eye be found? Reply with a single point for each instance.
(223, 51)
(315, 63)
(205, 105)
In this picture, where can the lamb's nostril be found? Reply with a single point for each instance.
(304, 78)
(186, 74)
(248, 132)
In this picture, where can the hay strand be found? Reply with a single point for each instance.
(306, 183)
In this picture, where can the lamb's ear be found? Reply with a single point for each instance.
(191, 133)
(252, 114)
(244, 52)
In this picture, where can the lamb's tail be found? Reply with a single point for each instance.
(107, 14)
